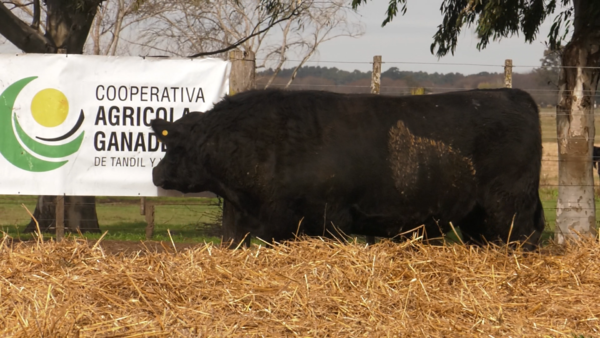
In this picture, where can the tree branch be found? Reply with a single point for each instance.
(241, 41)
(36, 15)
(21, 35)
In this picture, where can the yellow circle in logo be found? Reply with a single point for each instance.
(49, 107)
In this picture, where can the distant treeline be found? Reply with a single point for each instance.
(338, 76)
(541, 83)
(341, 77)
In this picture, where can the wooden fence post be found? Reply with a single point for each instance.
(508, 73)
(60, 217)
(243, 74)
(375, 89)
(143, 206)
(149, 216)
(147, 209)
(243, 67)
(376, 76)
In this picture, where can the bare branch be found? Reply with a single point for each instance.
(282, 58)
(241, 41)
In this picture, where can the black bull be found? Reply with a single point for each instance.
(322, 163)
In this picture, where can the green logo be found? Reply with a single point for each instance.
(49, 108)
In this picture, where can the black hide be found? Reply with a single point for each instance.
(322, 163)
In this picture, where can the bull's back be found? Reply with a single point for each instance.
(356, 130)
(423, 156)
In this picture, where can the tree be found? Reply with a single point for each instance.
(547, 75)
(113, 19)
(188, 27)
(56, 26)
(319, 23)
(578, 81)
(198, 28)
(65, 24)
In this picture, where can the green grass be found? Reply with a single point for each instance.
(549, 198)
(188, 219)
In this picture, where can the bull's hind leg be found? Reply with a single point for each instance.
(472, 226)
(514, 220)
(528, 224)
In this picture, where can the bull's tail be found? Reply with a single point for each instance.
(539, 223)
(538, 217)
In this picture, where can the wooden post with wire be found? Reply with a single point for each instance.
(243, 71)
(147, 209)
(376, 76)
(149, 215)
(508, 73)
(60, 217)
(143, 206)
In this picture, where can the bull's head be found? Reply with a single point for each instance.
(181, 168)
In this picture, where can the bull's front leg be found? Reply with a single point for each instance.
(234, 227)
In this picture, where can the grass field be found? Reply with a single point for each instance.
(191, 220)
(188, 219)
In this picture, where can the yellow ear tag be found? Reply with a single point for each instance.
(165, 133)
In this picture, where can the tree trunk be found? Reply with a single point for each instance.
(80, 214)
(575, 209)
(68, 23)
(67, 26)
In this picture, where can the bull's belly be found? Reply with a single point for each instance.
(431, 210)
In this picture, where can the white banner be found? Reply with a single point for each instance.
(79, 125)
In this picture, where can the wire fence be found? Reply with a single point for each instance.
(200, 217)
(420, 63)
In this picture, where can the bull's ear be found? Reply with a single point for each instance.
(163, 129)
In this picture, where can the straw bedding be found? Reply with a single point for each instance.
(312, 287)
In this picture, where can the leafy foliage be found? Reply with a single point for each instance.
(549, 71)
(493, 19)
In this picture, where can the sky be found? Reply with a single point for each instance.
(407, 39)
(404, 43)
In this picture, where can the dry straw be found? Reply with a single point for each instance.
(308, 288)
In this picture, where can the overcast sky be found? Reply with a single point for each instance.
(404, 43)
(408, 38)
